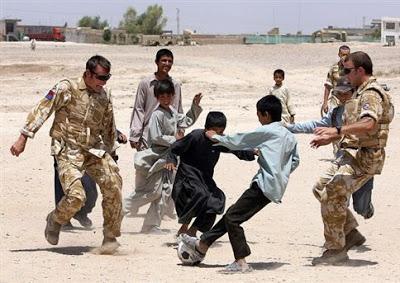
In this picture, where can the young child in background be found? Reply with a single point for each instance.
(282, 92)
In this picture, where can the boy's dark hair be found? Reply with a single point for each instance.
(272, 105)
(361, 59)
(344, 47)
(98, 60)
(279, 72)
(164, 86)
(164, 52)
(215, 119)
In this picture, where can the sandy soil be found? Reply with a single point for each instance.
(283, 238)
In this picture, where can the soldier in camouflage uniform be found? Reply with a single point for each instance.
(364, 132)
(335, 72)
(83, 136)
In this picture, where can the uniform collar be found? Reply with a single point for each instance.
(366, 83)
(81, 84)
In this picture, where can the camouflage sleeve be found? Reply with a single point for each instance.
(371, 105)
(109, 132)
(332, 76)
(54, 99)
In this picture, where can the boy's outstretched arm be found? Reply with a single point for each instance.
(240, 141)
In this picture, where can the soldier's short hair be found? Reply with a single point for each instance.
(279, 72)
(361, 59)
(164, 52)
(95, 60)
(164, 86)
(272, 105)
(215, 119)
(344, 47)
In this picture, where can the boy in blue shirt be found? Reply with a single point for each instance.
(278, 157)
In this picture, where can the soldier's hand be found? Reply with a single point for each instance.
(135, 145)
(19, 146)
(318, 141)
(170, 166)
(328, 131)
(121, 138)
(197, 98)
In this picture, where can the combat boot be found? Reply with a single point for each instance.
(331, 257)
(52, 231)
(109, 246)
(354, 238)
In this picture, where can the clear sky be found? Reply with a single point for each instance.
(210, 16)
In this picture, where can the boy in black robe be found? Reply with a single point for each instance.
(195, 193)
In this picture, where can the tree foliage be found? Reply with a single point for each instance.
(92, 22)
(149, 22)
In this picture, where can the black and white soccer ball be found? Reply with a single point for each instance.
(188, 255)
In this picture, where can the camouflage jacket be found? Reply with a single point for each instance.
(83, 120)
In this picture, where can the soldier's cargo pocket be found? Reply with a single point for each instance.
(370, 160)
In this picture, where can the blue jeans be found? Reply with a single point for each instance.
(362, 198)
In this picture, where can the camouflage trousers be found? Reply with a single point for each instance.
(72, 165)
(334, 190)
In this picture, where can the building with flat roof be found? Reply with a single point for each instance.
(390, 31)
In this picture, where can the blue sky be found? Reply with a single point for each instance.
(217, 17)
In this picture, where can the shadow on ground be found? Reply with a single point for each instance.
(77, 250)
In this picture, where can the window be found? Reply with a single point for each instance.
(390, 25)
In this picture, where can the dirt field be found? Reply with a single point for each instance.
(283, 238)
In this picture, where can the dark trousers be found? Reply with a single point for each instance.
(90, 189)
(362, 198)
(204, 221)
(249, 203)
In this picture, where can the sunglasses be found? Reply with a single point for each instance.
(103, 78)
(347, 71)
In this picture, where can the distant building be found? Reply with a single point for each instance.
(390, 31)
(8, 29)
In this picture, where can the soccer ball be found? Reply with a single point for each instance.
(187, 255)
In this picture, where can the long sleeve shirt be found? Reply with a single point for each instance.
(83, 120)
(288, 109)
(278, 156)
(145, 104)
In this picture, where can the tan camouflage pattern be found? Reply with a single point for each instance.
(335, 72)
(104, 171)
(83, 136)
(361, 158)
(333, 190)
(83, 120)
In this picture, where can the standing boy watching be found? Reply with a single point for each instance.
(282, 92)
(278, 157)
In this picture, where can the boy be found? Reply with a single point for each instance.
(343, 92)
(195, 193)
(284, 96)
(278, 157)
(164, 126)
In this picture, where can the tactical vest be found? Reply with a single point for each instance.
(378, 138)
(79, 122)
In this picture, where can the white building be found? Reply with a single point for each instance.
(390, 31)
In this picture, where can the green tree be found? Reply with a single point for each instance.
(92, 22)
(107, 35)
(129, 22)
(149, 22)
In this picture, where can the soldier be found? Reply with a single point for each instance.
(83, 136)
(363, 157)
(335, 72)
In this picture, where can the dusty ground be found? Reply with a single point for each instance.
(283, 238)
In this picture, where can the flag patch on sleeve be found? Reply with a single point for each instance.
(50, 95)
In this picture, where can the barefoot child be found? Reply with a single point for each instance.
(278, 157)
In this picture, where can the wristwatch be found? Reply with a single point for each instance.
(339, 129)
